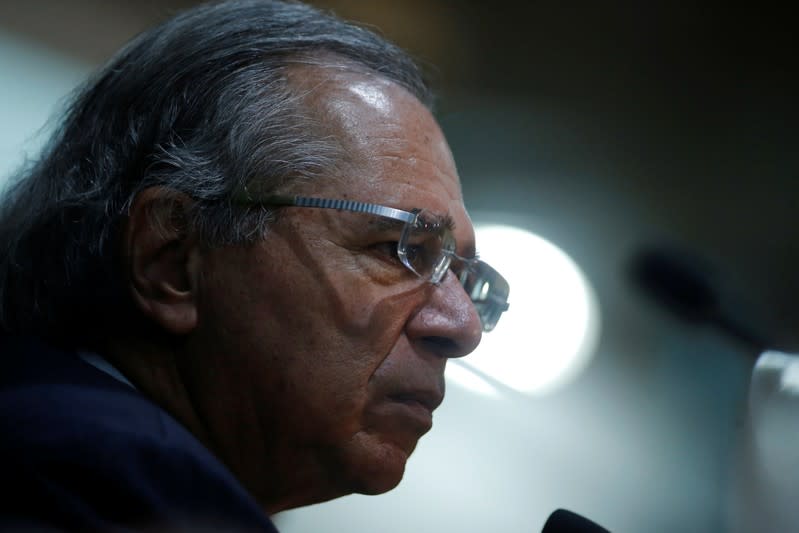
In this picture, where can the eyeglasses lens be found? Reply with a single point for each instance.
(426, 247)
(488, 290)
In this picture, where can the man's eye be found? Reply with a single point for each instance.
(388, 249)
(414, 252)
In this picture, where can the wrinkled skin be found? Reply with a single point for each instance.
(313, 360)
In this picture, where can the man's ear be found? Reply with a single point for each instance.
(162, 259)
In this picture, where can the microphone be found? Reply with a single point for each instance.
(563, 521)
(683, 285)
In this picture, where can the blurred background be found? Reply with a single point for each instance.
(606, 130)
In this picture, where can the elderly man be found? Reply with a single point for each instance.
(232, 281)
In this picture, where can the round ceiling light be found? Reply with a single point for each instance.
(552, 326)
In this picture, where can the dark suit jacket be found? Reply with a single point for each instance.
(81, 451)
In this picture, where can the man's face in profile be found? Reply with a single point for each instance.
(319, 356)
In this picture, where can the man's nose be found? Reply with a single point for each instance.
(448, 324)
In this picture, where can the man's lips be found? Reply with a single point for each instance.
(428, 400)
(415, 406)
(402, 415)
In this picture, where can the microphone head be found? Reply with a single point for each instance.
(678, 281)
(688, 287)
(563, 521)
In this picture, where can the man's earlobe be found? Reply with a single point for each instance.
(162, 259)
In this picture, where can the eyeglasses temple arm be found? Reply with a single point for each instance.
(346, 205)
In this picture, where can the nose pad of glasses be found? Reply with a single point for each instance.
(441, 267)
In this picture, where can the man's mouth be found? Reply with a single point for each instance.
(423, 399)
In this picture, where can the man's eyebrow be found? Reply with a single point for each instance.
(381, 223)
(448, 222)
(437, 221)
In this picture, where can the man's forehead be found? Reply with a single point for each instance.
(335, 90)
(397, 154)
(359, 107)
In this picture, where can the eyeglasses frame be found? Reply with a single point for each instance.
(409, 218)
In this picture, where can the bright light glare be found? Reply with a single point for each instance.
(466, 377)
(552, 327)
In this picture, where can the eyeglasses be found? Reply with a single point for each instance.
(426, 247)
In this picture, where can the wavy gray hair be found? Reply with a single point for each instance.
(199, 104)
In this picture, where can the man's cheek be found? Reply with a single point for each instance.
(374, 314)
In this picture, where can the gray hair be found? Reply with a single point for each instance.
(200, 105)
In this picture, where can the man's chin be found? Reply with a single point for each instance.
(378, 482)
(378, 465)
